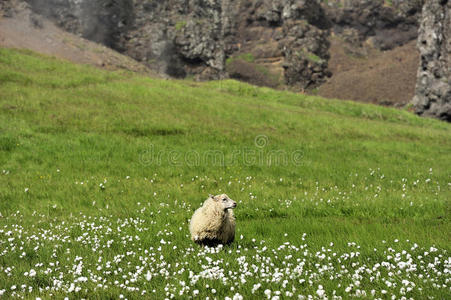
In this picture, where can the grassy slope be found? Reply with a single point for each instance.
(93, 125)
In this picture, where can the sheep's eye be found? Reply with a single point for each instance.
(224, 199)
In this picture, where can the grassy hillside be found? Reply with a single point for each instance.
(100, 173)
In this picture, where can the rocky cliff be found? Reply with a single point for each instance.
(23, 29)
(194, 37)
(279, 48)
(277, 43)
(433, 91)
(176, 37)
(382, 24)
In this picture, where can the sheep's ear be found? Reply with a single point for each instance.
(211, 196)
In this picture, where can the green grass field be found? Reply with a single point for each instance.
(101, 171)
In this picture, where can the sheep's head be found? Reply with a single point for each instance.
(225, 201)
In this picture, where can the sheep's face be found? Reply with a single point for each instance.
(225, 201)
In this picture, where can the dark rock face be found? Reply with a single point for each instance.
(265, 42)
(10, 8)
(306, 53)
(176, 37)
(433, 90)
(284, 41)
(193, 37)
(102, 21)
(383, 25)
(277, 11)
(180, 38)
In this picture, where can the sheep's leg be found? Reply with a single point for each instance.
(209, 242)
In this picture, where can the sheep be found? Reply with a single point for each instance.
(214, 222)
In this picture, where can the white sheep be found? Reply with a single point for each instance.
(214, 222)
